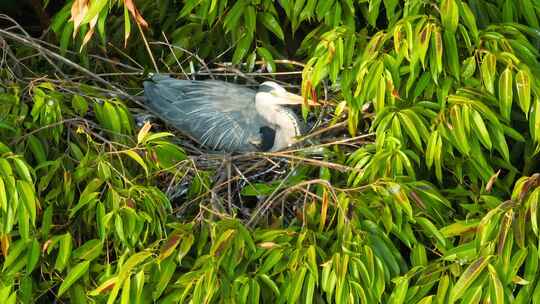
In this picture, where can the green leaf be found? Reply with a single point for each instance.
(400, 291)
(258, 189)
(469, 67)
(127, 25)
(267, 56)
(64, 252)
(529, 12)
(37, 149)
(242, 48)
(469, 19)
(506, 94)
(60, 18)
(167, 270)
(452, 55)
(136, 157)
(410, 128)
(89, 250)
(3, 195)
(467, 277)
(231, 20)
(222, 241)
(133, 261)
(270, 283)
(32, 256)
(534, 121)
(76, 273)
(459, 131)
(487, 71)
(442, 289)
(112, 118)
(271, 23)
(270, 261)
(250, 18)
(422, 42)
(15, 251)
(296, 284)
(431, 149)
(25, 289)
(22, 169)
(523, 86)
(126, 290)
(29, 198)
(428, 226)
(438, 49)
(95, 8)
(80, 105)
(481, 130)
(310, 288)
(497, 291)
(449, 15)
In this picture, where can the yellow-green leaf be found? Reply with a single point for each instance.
(428, 226)
(481, 130)
(32, 256)
(400, 291)
(136, 157)
(297, 282)
(497, 291)
(3, 195)
(523, 85)
(126, 289)
(449, 15)
(506, 93)
(534, 121)
(22, 169)
(467, 277)
(28, 198)
(76, 273)
(487, 71)
(410, 128)
(452, 56)
(64, 252)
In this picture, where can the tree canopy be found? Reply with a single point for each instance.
(418, 182)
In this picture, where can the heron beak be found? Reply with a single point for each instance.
(290, 98)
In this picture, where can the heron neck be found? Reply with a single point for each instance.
(285, 123)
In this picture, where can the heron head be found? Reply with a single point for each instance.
(272, 93)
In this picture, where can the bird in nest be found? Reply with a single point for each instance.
(225, 116)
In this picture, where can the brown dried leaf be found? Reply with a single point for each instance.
(135, 13)
(90, 31)
(267, 245)
(169, 246)
(492, 180)
(531, 183)
(46, 245)
(143, 132)
(79, 8)
(4, 242)
(104, 287)
(417, 200)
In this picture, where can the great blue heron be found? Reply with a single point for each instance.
(226, 116)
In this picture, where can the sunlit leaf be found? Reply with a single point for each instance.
(73, 275)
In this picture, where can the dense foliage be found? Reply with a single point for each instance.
(437, 204)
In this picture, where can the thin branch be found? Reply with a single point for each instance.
(70, 63)
(147, 47)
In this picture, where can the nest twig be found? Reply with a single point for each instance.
(222, 197)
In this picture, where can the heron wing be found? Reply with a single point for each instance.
(219, 114)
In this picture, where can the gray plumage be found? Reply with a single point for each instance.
(221, 115)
